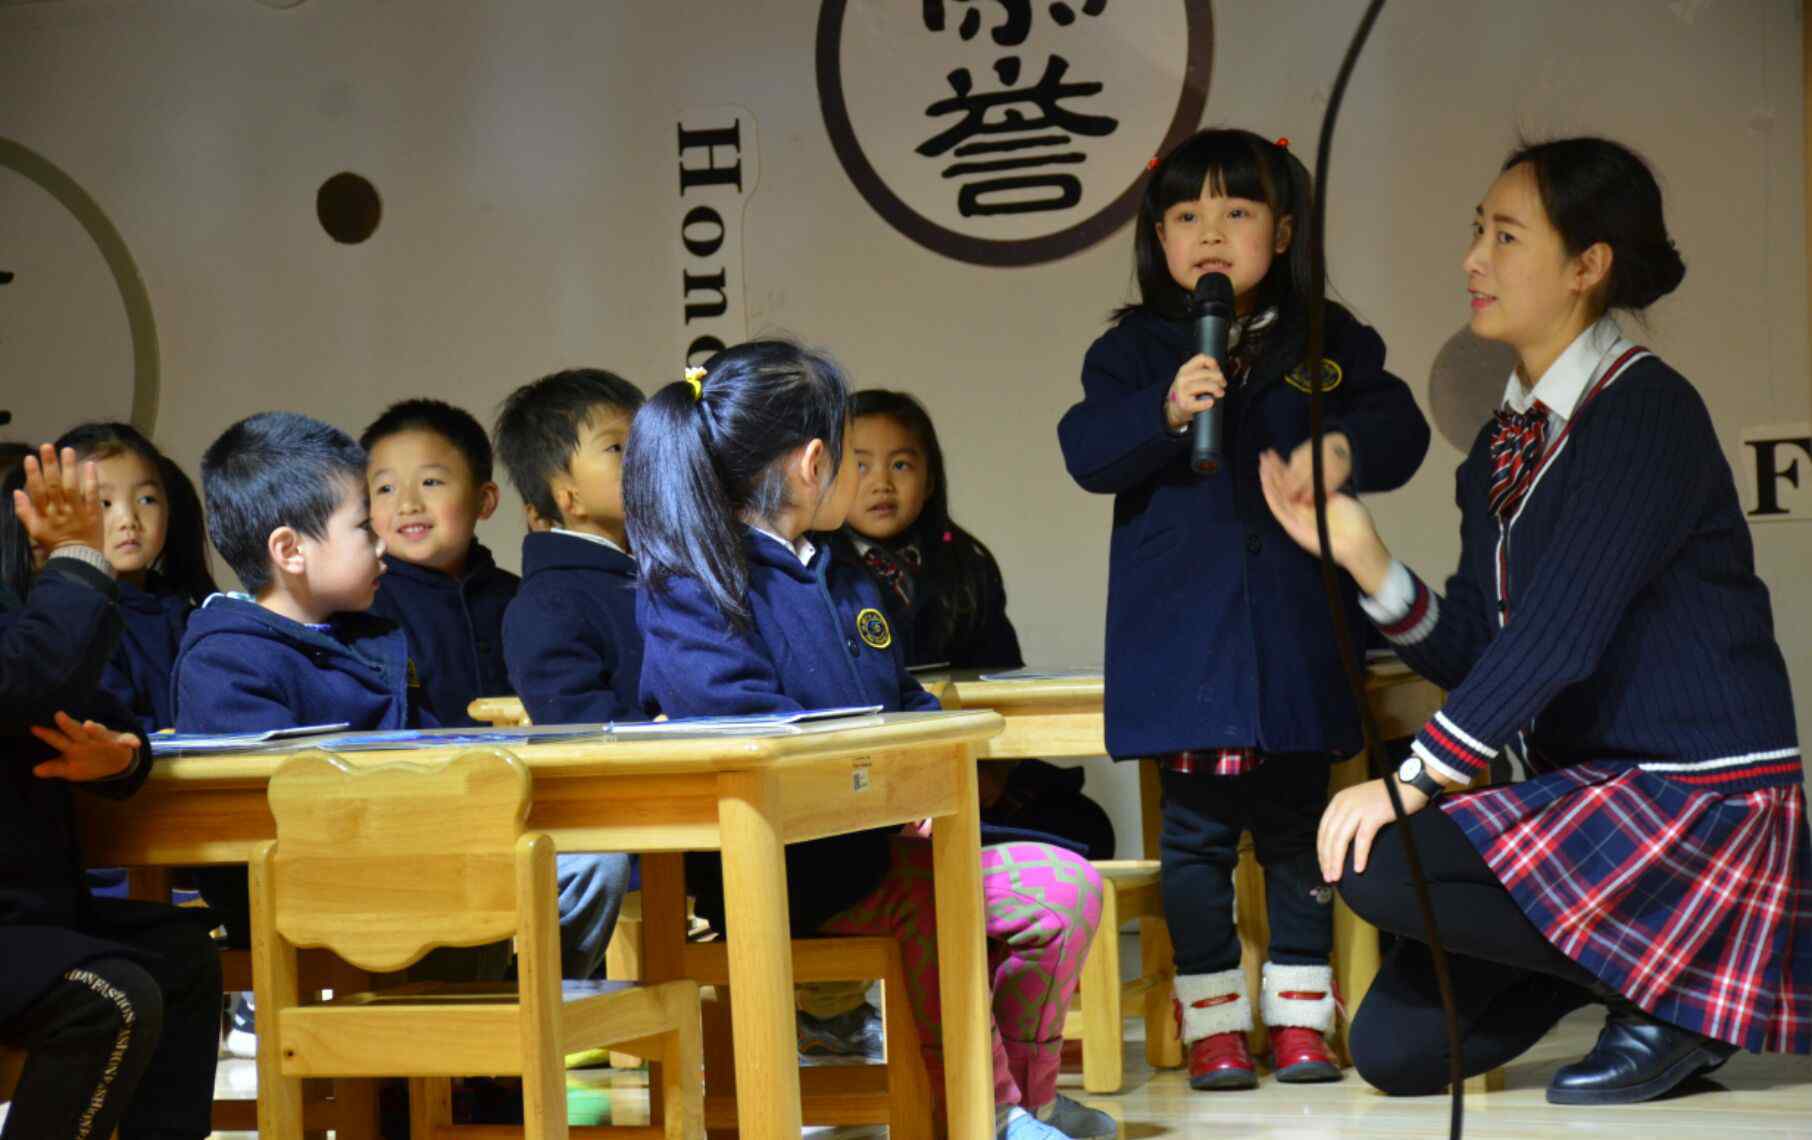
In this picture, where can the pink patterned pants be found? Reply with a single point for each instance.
(1041, 906)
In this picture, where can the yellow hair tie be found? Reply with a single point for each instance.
(695, 376)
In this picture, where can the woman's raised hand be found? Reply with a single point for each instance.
(1354, 539)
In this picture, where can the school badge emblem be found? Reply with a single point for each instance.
(1298, 377)
(872, 625)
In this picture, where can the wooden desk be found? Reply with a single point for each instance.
(744, 796)
(1062, 717)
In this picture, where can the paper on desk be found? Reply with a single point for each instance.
(197, 743)
(334, 739)
(766, 724)
(1092, 673)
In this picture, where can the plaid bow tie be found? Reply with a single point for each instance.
(1516, 445)
(891, 573)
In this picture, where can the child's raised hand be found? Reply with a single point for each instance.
(1355, 541)
(60, 504)
(1197, 386)
(89, 751)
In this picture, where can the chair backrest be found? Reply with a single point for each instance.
(383, 864)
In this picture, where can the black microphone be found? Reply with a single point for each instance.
(1212, 304)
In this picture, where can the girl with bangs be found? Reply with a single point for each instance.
(1221, 660)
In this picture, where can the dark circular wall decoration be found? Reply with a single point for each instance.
(349, 208)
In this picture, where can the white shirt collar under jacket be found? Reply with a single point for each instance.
(1567, 379)
(597, 538)
(803, 549)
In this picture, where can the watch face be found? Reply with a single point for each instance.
(1409, 769)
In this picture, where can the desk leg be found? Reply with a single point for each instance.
(663, 948)
(759, 943)
(962, 958)
(151, 883)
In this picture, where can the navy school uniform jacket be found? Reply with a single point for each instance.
(455, 628)
(144, 663)
(243, 668)
(1634, 628)
(1218, 631)
(570, 637)
(988, 641)
(54, 645)
(804, 650)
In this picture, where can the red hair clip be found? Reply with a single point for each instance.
(1284, 142)
(1153, 164)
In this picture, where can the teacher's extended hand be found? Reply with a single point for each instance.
(1352, 537)
(1353, 818)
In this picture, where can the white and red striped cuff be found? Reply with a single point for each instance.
(1450, 752)
(1404, 609)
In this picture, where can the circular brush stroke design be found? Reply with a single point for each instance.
(56, 182)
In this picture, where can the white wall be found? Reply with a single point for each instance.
(525, 153)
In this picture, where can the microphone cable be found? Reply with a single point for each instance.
(1349, 659)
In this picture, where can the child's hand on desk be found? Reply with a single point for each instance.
(89, 751)
(60, 504)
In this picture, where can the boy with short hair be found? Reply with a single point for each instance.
(570, 638)
(286, 509)
(428, 471)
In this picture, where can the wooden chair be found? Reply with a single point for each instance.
(498, 712)
(346, 1108)
(382, 865)
(1129, 892)
(896, 1094)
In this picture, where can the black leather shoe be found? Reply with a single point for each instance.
(1637, 1058)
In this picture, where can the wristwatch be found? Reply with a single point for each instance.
(1416, 774)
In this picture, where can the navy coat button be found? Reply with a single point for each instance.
(1254, 543)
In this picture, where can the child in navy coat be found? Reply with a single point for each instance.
(156, 543)
(945, 594)
(428, 471)
(1221, 660)
(733, 479)
(287, 510)
(569, 636)
(116, 1001)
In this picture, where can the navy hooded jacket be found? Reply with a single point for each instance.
(455, 628)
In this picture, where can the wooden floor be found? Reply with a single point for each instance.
(1769, 1096)
(1766, 1096)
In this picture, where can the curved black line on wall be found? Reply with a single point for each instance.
(106, 237)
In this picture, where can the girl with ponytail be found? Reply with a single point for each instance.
(734, 480)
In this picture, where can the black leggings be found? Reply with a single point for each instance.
(1511, 985)
(119, 1044)
(1204, 816)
